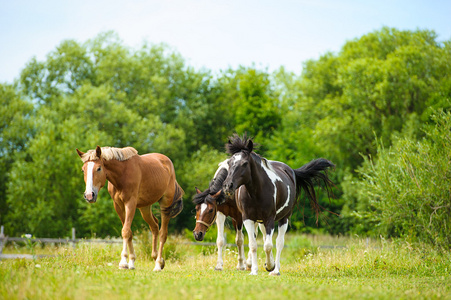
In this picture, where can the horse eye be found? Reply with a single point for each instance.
(98, 170)
(211, 210)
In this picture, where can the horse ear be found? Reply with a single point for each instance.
(98, 151)
(80, 153)
(219, 197)
(250, 145)
(197, 190)
(217, 194)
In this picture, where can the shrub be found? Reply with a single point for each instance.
(408, 188)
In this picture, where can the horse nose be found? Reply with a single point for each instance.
(228, 187)
(89, 196)
(198, 235)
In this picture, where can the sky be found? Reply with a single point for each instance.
(210, 34)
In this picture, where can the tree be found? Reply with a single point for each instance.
(15, 130)
(257, 110)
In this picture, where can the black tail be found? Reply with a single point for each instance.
(309, 174)
(177, 204)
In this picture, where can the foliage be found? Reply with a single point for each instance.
(407, 187)
(15, 129)
(197, 172)
(385, 84)
(382, 84)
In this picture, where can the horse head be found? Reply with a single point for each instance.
(94, 173)
(206, 209)
(239, 172)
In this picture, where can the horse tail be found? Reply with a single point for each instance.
(309, 174)
(177, 202)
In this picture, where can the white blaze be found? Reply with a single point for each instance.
(89, 179)
(203, 207)
(237, 157)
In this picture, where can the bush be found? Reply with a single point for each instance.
(408, 187)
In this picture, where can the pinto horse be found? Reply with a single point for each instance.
(212, 205)
(268, 192)
(134, 181)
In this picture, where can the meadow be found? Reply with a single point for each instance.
(354, 268)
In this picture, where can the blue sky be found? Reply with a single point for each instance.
(209, 33)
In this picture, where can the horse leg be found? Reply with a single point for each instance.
(250, 228)
(150, 219)
(239, 240)
(263, 231)
(120, 209)
(267, 246)
(283, 225)
(159, 262)
(220, 241)
(249, 256)
(127, 237)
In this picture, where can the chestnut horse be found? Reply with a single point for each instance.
(268, 192)
(212, 205)
(134, 181)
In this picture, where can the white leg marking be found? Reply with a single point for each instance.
(250, 228)
(158, 263)
(286, 202)
(123, 263)
(131, 264)
(268, 249)
(89, 179)
(220, 242)
(279, 245)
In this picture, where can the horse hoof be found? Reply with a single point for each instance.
(274, 274)
(271, 269)
(162, 264)
(123, 267)
(240, 268)
(218, 269)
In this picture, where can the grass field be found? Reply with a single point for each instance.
(379, 270)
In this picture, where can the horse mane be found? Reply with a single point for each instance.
(237, 144)
(109, 153)
(214, 186)
(200, 198)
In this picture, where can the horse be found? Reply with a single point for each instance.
(267, 193)
(211, 205)
(134, 181)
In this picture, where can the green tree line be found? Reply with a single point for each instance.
(377, 103)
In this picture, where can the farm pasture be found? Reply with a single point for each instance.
(353, 269)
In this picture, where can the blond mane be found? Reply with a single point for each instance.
(109, 153)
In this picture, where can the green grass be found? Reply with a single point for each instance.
(385, 270)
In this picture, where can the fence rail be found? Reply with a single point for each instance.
(4, 239)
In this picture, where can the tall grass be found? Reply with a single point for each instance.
(380, 269)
